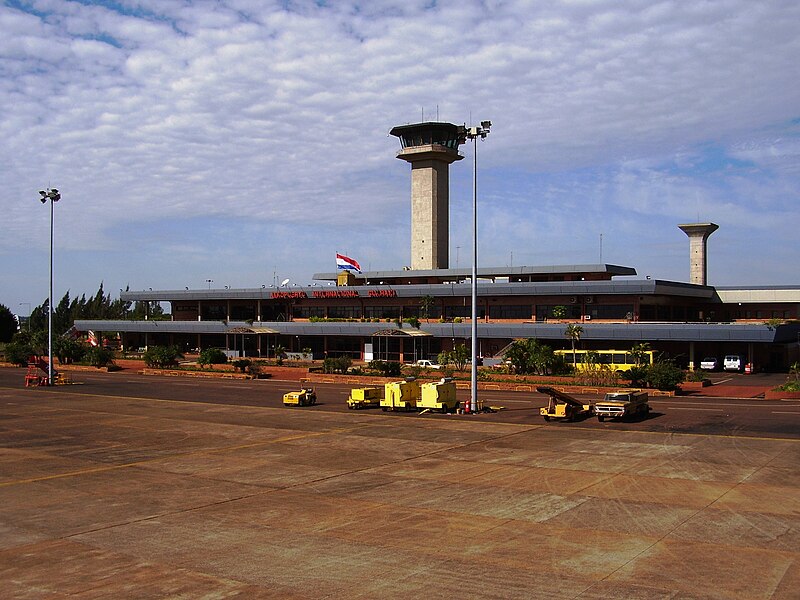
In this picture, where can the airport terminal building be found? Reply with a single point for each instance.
(420, 310)
(408, 315)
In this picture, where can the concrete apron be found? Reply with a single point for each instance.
(103, 497)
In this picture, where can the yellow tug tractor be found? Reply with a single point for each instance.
(304, 397)
(562, 406)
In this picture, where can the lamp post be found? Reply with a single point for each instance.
(54, 196)
(473, 133)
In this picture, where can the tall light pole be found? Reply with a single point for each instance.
(473, 133)
(54, 196)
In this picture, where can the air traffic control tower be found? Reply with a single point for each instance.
(430, 148)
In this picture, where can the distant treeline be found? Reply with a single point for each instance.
(99, 306)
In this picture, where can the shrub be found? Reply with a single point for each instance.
(99, 357)
(242, 364)
(413, 321)
(793, 381)
(19, 349)
(212, 356)
(560, 365)
(598, 375)
(696, 375)
(638, 375)
(162, 356)
(386, 368)
(664, 375)
(339, 364)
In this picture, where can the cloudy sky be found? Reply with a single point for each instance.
(246, 141)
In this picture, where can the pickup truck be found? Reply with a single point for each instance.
(427, 364)
(616, 405)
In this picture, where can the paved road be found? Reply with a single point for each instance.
(715, 415)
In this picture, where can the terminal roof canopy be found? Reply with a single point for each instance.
(431, 132)
(513, 274)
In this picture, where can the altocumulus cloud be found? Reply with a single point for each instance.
(215, 131)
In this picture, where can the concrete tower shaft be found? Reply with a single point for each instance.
(698, 259)
(430, 148)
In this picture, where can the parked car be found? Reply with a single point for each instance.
(733, 362)
(709, 363)
(427, 364)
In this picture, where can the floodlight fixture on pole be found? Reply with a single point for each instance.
(53, 195)
(473, 133)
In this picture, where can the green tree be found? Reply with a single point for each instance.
(530, 356)
(461, 356)
(8, 324)
(62, 316)
(639, 354)
(426, 302)
(25, 343)
(573, 333)
(68, 350)
(559, 312)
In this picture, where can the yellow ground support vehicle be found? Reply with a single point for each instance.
(400, 395)
(366, 397)
(562, 406)
(438, 395)
(304, 397)
(616, 405)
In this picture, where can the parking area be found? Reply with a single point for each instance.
(108, 496)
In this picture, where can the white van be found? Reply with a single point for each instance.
(733, 362)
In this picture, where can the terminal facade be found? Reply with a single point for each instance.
(423, 309)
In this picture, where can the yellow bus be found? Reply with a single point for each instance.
(613, 360)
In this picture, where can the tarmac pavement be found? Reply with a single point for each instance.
(129, 497)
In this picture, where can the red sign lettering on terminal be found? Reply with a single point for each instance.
(289, 295)
(336, 294)
(382, 294)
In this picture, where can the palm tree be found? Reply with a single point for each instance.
(425, 304)
(280, 351)
(639, 353)
(573, 332)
